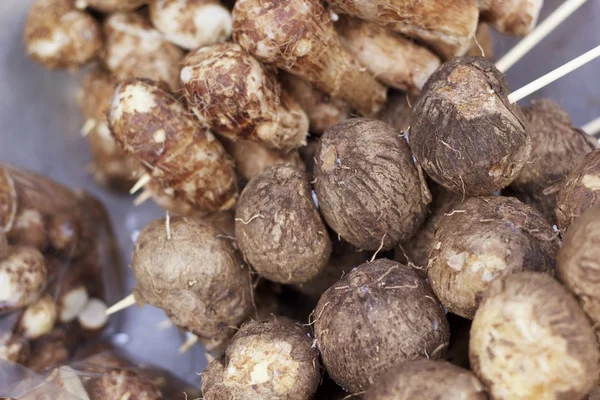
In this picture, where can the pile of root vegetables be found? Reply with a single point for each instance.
(355, 209)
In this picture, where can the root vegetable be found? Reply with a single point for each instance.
(23, 275)
(379, 315)
(165, 198)
(205, 288)
(149, 123)
(48, 354)
(483, 239)
(134, 49)
(530, 339)
(426, 380)
(279, 229)
(483, 41)
(237, 97)
(57, 35)
(447, 26)
(366, 156)
(557, 148)
(265, 360)
(322, 110)
(121, 384)
(72, 302)
(464, 131)
(29, 230)
(578, 262)
(579, 191)
(14, 348)
(513, 17)
(38, 318)
(92, 318)
(397, 110)
(110, 6)
(191, 23)
(392, 59)
(298, 36)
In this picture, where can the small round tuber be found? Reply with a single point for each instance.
(482, 239)
(298, 36)
(265, 361)
(237, 97)
(379, 315)
(191, 24)
(513, 17)
(92, 318)
(38, 318)
(369, 190)
(530, 340)
(465, 133)
(278, 227)
(23, 275)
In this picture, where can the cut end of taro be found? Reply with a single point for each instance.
(93, 316)
(73, 303)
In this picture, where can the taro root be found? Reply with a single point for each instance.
(191, 24)
(556, 149)
(149, 123)
(265, 360)
(93, 319)
(530, 340)
(578, 262)
(193, 273)
(57, 35)
(579, 191)
(237, 97)
(465, 133)
(110, 6)
(322, 110)
(397, 110)
(49, 353)
(483, 239)
(38, 318)
(512, 17)
(23, 276)
(379, 315)
(483, 43)
(298, 36)
(278, 227)
(369, 190)
(395, 61)
(426, 380)
(447, 26)
(111, 166)
(134, 49)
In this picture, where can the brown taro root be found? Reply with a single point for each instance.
(38, 318)
(111, 166)
(193, 273)
(298, 36)
(379, 315)
(135, 49)
(483, 43)
(578, 262)
(426, 380)
(397, 110)
(265, 360)
(252, 158)
(394, 60)
(579, 191)
(447, 26)
(369, 190)
(465, 133)
(278, 227)
(110, 6)
(322, 110)
(191, 24)
(57, 35)
(23, 276)
(149, 123)
(482, 239)
(512, 17)
(530, 340)
(236, 96)
(556, 149)
(50, 352)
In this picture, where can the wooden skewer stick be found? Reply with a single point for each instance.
(593, 127)
(145, 195)
(140, 183)
(88, 126)
(121, 305)
(538, 34)
(554, 75)
(191, 340)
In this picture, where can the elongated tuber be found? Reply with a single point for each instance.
(513, 17)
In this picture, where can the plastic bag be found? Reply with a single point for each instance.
(58, 254)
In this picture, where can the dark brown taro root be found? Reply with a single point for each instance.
(464, 131)
(579, 191)
(379, 315)
(369, 189)
(265, 361)
(427, 380)
(530, 340)
(279, 229)
(482, 239)
(578, 262)
(187, 268)
(556, 149)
